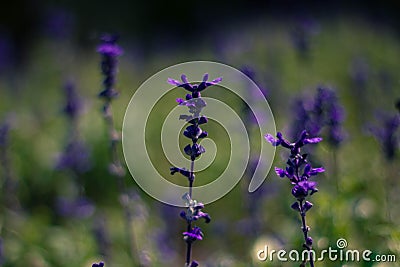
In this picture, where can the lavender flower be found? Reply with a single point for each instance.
(321, 115)
(386, 133)
(302, 35)
(299, 171)
(80, 207)
(331, 113)
(194, 150)
(73, 105)
(110, 51)
(75, 156)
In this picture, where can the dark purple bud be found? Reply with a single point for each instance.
(194, 264)
(184, 78)
(200, 214)
(296, 206)
(188, 96)
(309, 241)
(301, 189)
(194, 151)
(299, 192)
(73, 103)
(188, 150)
(100, 264)
(272, 140)
(182, 171)
(180, 101)
(280, 172)
(202, 120)
(193, 132)
(183, 214)
(194, 234)
(203, 134)
(306, 206)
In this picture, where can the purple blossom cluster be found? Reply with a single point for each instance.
(323, 114)
(195, 104)
(386, 132)
(110, 52)
(76, 155)
(299, 171)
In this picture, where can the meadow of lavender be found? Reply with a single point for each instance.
(67, 198)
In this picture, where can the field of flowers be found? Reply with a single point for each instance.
(67, 198)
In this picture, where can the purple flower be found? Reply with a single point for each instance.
(322, 114)
(108, 47)
(110, 52)
(75, 157)
(75, 208)
(303, 188)
(182, 171)
(193, 131)
(302, 34)
(194, 234)
(304, 140)
(386, 133)
(59, 23)
(73, 104)
(4, 134)
(194, 151)
(306, 206)
(100, 264)
(195, 89)
(309, 171)
(194, 212)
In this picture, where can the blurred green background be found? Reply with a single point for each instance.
(293, 48)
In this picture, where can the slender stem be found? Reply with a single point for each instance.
(305, 232)
(191, 180)
(189, 227)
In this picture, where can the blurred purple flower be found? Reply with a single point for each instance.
(58, 23)
(321, 115)
(75, 208)
(359, 73)
(7, 53)
(386, 132)
(4, 134)
(109, 51)
(101, 235)
(251, 73)
(76, 157)
(73, 105)
(302, 35)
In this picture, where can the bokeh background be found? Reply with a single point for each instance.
(60, 206)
